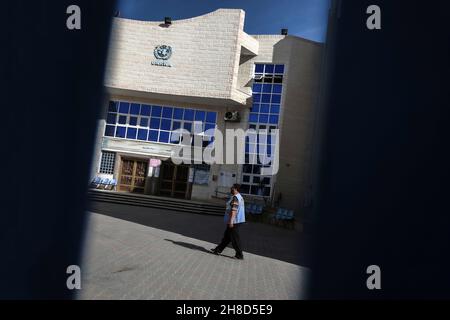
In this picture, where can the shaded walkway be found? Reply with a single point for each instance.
(257, 238)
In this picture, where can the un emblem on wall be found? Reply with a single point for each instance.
(163, 52)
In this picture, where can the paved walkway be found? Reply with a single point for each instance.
(148, 260)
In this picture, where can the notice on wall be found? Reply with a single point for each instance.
(201, 177)
(155, 162)
(226, 179)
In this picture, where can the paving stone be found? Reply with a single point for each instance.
(128, 260)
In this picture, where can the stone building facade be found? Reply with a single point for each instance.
(193, 74)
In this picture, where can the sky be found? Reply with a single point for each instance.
(303, 18)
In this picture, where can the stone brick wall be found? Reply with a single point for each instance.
(205, 59)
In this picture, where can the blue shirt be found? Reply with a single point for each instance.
(240, 215)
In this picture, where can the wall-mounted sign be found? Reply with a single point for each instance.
(155, 162)
(130, 146)
(162, 54)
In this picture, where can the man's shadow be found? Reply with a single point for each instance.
(193, 247)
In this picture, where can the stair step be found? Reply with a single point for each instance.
(155, 202)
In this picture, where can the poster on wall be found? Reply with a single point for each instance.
(226, 179)
(201, 177)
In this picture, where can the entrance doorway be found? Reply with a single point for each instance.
(132, 175)
(174, 180)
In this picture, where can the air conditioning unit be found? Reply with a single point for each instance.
(232, 116)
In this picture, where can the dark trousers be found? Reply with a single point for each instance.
(231, 234)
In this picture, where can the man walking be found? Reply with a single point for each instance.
(234, 217)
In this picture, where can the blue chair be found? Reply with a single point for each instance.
(95, 182)
(276, 216)
(111, 184)
(281, 216)
(103, 183)
(288, 218)
(290, 215)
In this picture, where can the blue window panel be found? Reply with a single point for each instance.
(264, 108)
(256, 169)
(275, 108)
(153, 135)
(252, 137)
(259, 68)
(255, 107)
(279, 68)
(154, 123)
(200, 115)
(135, 108)
(265, 98)
(258, 77)
(144, 122)
(198, 127)
(109, 131)
(188, 114)
(277, 88)
(178, 113)
(124, 107)
(273, 119)
(120, 132)
(263, 118)
(256, 98)
(165, 124)
(167, 112)
(253, 117)
(112, 106)
(188, 126)
(267, 88)
(131, 133)
(145, 110)
(209, 126)
(176, 125)
(252, 148)
(156, 111)
(270, 148)
(257, 87)
(133, 121)
(209, 144)
(247, 168)
(211, 117)
(262, 138)
(122, 119)
(175, 137)
(142, 134)
(269, 68)
(245, 189)
(276, 98)
(111, 118)
(164, 136)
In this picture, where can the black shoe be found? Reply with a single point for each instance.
(214, 251)
(238, 257)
